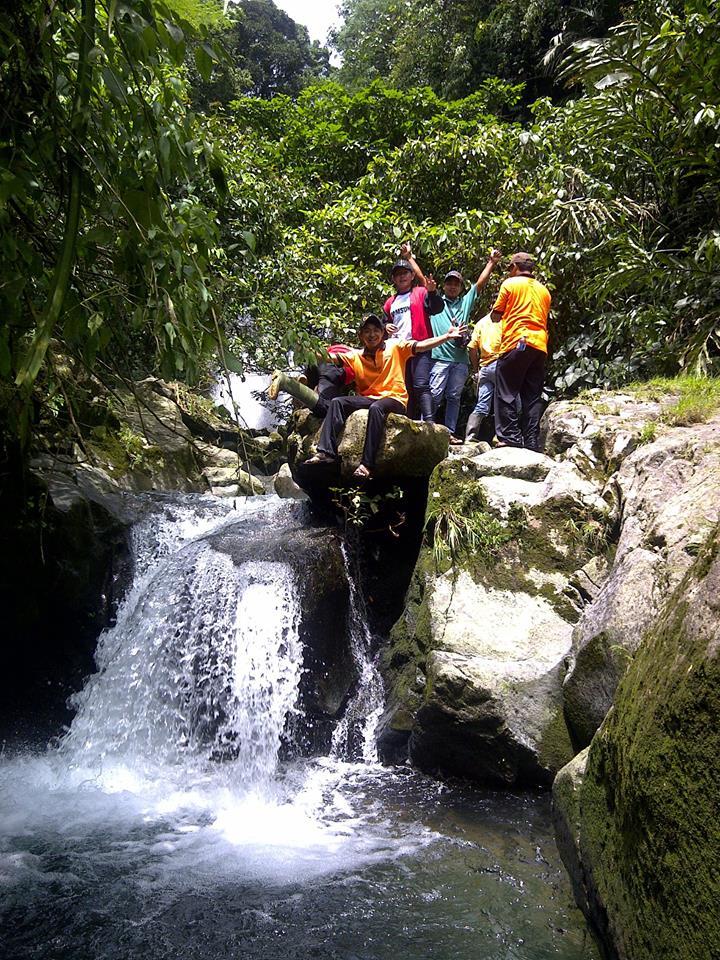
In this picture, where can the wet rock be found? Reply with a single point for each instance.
(492, 709)
(567, 823)
(223, 469)
(638, 828)
(285, 486)
(475, 665)
(62, 575)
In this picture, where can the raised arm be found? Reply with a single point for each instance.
(407, 254)
(495, 258)
(454, 333)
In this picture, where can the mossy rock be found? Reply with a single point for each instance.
(648, 806)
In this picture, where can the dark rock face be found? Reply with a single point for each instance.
(637, 819)
(63, 574)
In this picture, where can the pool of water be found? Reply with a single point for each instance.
(338, 860)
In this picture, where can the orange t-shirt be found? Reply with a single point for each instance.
(524, 304)
(382, 375)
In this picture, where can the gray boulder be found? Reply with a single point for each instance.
(285, 487)
(475, 665)
(513, 462)
(669, 494)
(492, 709)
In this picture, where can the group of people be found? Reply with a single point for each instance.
(419, 354)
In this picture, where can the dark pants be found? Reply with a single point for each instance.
(417, 381)
(340, 409)
(330, 382)
(520, 373)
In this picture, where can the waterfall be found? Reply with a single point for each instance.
(354, 736)
(204, 661)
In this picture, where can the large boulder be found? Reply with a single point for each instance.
(492, 707)
(669, 494)
(475, 665)
(637, 820)
(409, 448)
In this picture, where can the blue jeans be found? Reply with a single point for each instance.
(486, 389)
(447, 380)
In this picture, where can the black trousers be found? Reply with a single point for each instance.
(417, 381)
(340, 409)
(330, 382)
(520, 373)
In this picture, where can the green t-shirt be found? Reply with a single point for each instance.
(456, 314)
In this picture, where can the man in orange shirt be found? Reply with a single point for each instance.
(522, 305)
(379, 370)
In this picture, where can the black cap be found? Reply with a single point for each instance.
(523, 260)
(401, 265)
(454, 273)
(372, 319)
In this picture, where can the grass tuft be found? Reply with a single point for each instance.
(698, 398)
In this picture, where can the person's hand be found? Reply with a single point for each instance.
(430, 283)
(455, 333)
(495, 257)
(391, 329)
(405, 251)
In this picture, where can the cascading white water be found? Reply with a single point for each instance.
(134, 839)
(354, 736)
(203, 662)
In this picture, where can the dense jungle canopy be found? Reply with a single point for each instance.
(181, 187)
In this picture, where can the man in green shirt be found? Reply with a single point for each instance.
(451, 361)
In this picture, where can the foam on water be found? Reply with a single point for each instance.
(177, 735)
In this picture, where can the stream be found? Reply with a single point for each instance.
(172, 820)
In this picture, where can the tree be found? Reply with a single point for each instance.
(453, 47)
(107, 185)
(268, 54)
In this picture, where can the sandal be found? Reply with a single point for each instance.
(362, 473)
(456, 442)
(320, 458)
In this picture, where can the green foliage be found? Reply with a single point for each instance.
(267, 54)
(107, 186)
(458, 523)
(454, 47)
(360, 508)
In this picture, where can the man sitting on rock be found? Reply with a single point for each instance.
(379, 370)
(522, 305)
